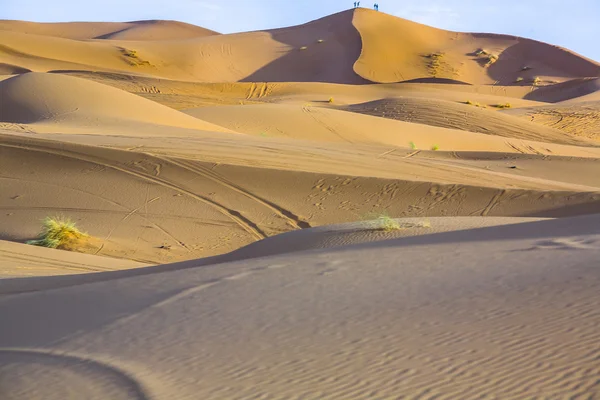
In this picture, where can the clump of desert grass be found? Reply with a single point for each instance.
(435, 147)
(491, 59)
(412, 145)
(132, 58)
(435, 63)
(383, 222)
(536, 81)
(320, 41)
(330, 100)
(503, 105)
(59, 233)
(474, 104)
(303, 48)
(519, 79)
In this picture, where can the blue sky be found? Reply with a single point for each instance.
(574, 24)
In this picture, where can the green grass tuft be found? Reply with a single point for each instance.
(474, 104)
(412, 145)
(330, 100)
(58, 233)
(435, 147)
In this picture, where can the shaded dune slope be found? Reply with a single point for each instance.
(45, 98)
(412, 316)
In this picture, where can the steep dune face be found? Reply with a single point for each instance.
(319, 51)
(38, 97)
(137, 30)
(394, 49)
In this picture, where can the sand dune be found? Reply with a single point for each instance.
(298, 213)
(160, 208)
(580, 119)
(136, 30)
(429, 52)
(464, 117)
(53, 98)
(349, 47)
(20, 260)
(466, 329)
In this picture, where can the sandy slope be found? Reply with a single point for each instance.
(57, 99)
(20, 260)
(161, 207)
(136, 30)
(257, 203)
(579, 119)
(462, 314)
(408, 56)
(349, 47)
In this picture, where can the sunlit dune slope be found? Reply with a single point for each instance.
(136, 30)
(394, 49)
(53, 98)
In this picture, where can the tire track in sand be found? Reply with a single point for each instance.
(289, 216)
(234, 215)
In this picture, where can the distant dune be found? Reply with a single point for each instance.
(137, 30)
(349, 47)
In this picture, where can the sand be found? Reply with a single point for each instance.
(335, 210)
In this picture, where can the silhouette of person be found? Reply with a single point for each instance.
(358, 4)
(354, 4)
(376, 7)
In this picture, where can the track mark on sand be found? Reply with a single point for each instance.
(290, 217)
(91, 370)
(493, 203)
(234, 215)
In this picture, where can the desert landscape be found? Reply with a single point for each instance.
(359, 207)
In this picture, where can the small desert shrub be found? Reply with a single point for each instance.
(505, 105)
(473, 103)
(519, 79)
(132, 57)
(536, 81)
(383, 222)
(435, 62)
(481, 52)
(330, 100)
(491, 59)
(303, 47)
(412, 145)
(320, 41)
(435, 147)
(58, 233)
